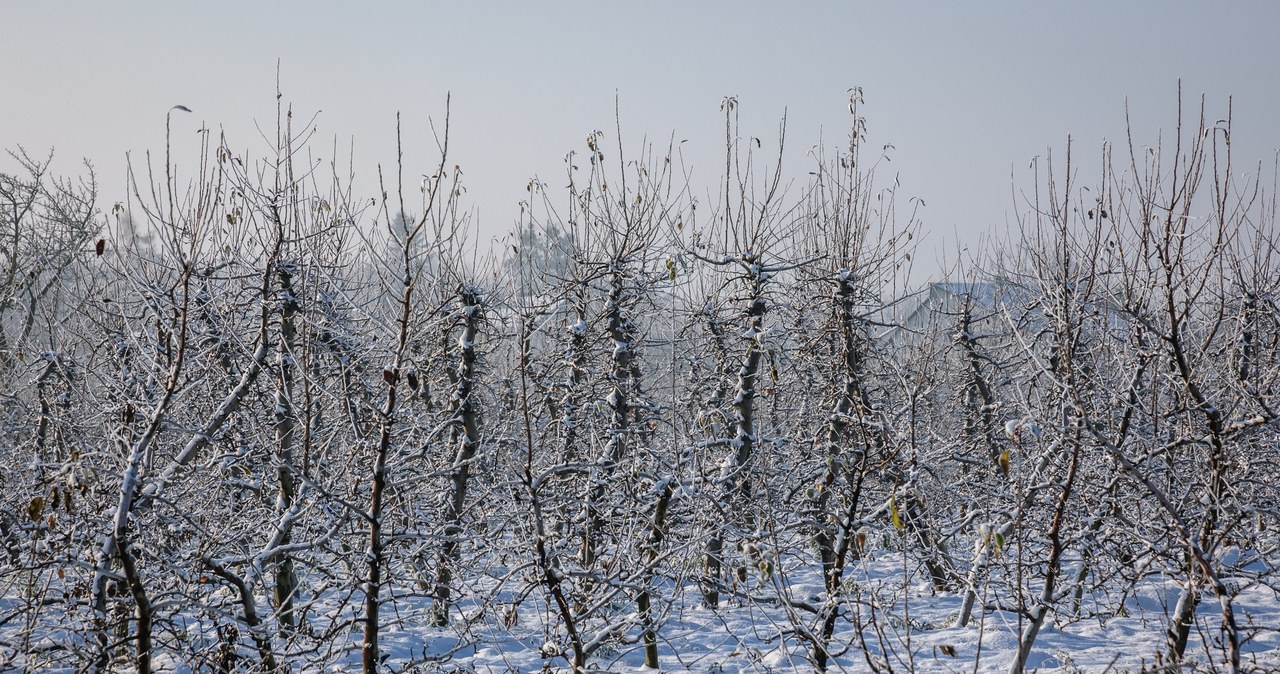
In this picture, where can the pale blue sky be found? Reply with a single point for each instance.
(966, 92)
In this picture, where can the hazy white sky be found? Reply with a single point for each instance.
(966, 91)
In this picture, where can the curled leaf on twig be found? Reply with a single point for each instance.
(35, 508)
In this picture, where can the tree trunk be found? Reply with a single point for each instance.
(467, 422)
(286, 580)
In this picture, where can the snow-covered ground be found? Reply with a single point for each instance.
(903, 631)
(503, 623)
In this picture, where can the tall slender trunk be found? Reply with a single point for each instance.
(1218, 464)
(575, 361)
(466, 418)
(370, 656)
(833, 532)
(619, 405)
(286, 580)
(847, 544)
(143, 613)
(1053, 566)
(543, 555)
(644, 600)
(734, 479)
